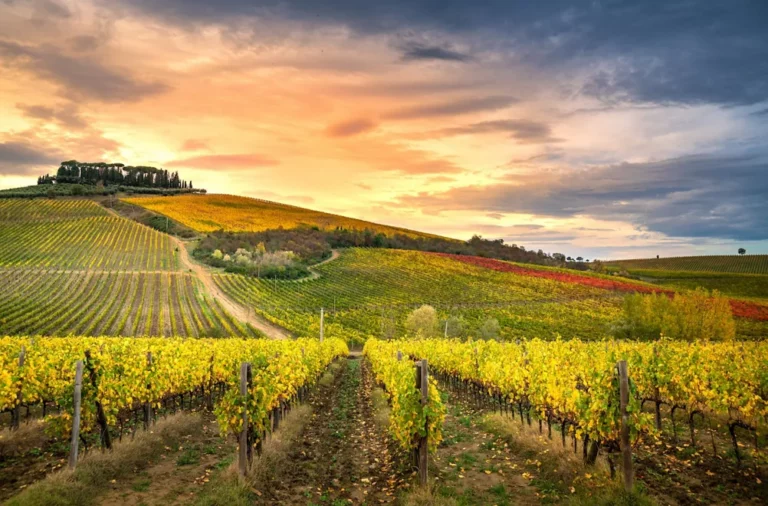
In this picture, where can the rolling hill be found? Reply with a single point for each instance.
(740, 264)
(71, 267)
(207, 213)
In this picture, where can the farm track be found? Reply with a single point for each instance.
(238, 311)
(341, 457)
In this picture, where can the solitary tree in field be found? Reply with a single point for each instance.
(742, 251)
(422, 322)
(579, 259)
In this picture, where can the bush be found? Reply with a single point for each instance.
(691, 316)
(455, 326)
(77, 190)
(489, 329)
(422, 322)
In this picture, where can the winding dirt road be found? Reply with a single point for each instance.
(238, 311)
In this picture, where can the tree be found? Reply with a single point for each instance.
(422, 322)
(597, 266)
(690, 316)
(489, 329)
(579, 259)
(742, 251)
(454, 326)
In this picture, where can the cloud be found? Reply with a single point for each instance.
(655, 51)
(416, 162)
(67, 115)
(523, 130)
(195, 145)
(51, 8)
(763, 112)
(364, 186)
(225, 162)
(495, 216)
(694, 196)
(454, 107)
(79, 78)
(415, 51)
(350, 127)
(84, 43)
(20, 158)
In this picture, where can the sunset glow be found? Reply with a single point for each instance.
(529, 124)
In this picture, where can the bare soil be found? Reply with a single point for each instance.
(341, 457)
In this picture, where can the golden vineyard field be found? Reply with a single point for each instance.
(207, 213)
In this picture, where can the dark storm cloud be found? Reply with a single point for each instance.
(80, 78)
(424, 52)
(656, 51)
(697, 196)
(453, 107)
(19, 158)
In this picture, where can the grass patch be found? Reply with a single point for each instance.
(141, 485)
(94, 471)
(190, 457)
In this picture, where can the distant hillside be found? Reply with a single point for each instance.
(741, 264)
(208, 213)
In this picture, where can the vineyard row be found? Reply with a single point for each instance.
(111, 303)
(122, 376)
(96, 242)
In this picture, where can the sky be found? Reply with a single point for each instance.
(602, 129)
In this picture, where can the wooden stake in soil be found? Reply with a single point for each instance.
(75, 440)
(243, 446)
(422, 383)
(101, 418)
(148, 405)
(322, 324)
(626, 449)
(16, 414)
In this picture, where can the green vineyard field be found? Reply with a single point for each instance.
(366, 290)
(110, 304)
(78, 234)
(747, 264)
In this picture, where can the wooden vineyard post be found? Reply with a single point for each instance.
(422, 385)
(400, 357)
(148, 404)
(243, 443)
(322, 324)
(626, 449)
(101, 418)
(75, 440)
(16, 415)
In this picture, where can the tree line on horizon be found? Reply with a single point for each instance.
(72, 171)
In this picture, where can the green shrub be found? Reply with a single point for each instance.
(689, 316)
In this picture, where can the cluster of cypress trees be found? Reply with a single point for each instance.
(72, 171)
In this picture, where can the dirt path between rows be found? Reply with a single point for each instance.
(235, 309)
(342, 456)
(315, 274)
(232, 307)
(177, 475)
